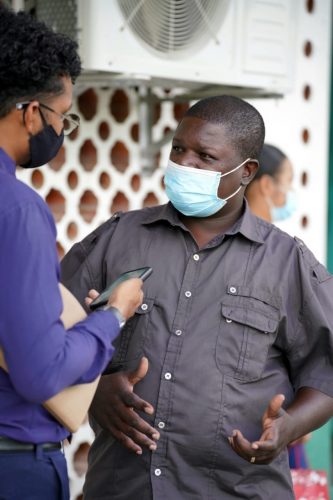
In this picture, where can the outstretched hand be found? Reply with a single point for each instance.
(277, 427)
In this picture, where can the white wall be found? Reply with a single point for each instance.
(287, 118)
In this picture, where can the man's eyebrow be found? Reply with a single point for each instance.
(206, 147)
(176, 142)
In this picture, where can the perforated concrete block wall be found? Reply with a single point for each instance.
(98, 171)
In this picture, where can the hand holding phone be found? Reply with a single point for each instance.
(124, 293)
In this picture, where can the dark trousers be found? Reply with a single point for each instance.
(33, 475)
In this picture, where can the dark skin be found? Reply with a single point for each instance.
(17, 127)
(204, 145)
(120, 415)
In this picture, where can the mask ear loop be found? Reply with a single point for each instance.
(233, 170)
(45, 124)
(233, 194)
(238, 166)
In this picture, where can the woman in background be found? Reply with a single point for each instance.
(270, 194)
(270, 197)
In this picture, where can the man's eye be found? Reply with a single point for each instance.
(177, 149)
(206, 156)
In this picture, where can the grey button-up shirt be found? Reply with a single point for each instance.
(225, 328)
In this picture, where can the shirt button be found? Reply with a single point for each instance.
(157, 472)
(188, 293)
(144, 307)
(228, 320)
(161, 425)
(178, 332)
(232, 289)
(167, 376)
(196, 256)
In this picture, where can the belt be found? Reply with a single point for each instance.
(7, 444)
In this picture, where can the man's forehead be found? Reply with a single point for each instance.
(205, 129)
(209, 136)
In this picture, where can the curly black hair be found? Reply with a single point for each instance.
(33, 58)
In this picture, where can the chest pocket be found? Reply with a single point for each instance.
(129, 344)
(248, 328)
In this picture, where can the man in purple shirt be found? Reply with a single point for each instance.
(37, 68)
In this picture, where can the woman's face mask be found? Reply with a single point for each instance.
(282, 201)
(193, 191)
(286, 210)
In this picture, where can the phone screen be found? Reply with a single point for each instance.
(102, 299)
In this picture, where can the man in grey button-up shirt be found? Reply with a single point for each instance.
(236, 325)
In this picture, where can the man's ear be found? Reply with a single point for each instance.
(31, 118)
(249, 171)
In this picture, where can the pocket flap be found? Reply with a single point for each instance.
(266, 323)
(146, 306)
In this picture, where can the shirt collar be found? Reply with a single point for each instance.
(247, 225)
(163, 213)
(7, 164)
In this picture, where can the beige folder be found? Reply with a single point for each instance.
(71, 405)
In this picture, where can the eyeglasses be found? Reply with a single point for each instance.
(70, 121)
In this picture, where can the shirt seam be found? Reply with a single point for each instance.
(22, 205)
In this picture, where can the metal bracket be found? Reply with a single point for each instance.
(148, 148)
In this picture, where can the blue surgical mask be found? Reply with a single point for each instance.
(287, 210)
(193, 191)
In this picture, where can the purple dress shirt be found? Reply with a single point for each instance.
(42, 358)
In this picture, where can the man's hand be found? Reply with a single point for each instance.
(277, 427)
(309, 410)
(126, 297)
(114, 408)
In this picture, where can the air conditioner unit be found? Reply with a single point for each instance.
(184, 43)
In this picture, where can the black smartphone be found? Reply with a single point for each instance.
(102, 299)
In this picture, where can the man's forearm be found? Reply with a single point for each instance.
(309, 410)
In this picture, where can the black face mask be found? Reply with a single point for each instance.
(44, 146)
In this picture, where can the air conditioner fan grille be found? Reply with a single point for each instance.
(173, 26)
